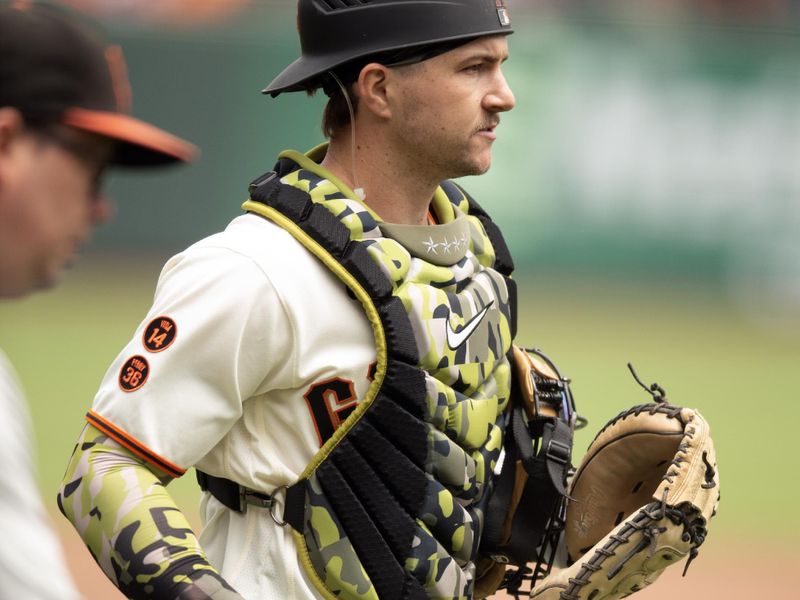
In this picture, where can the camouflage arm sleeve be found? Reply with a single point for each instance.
(132, 527)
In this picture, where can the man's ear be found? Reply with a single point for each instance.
(372, 90)
(11, 126)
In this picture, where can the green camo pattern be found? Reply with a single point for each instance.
(133, 528)
(334, 559)
(467, 391)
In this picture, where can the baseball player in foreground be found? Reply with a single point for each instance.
(338, 363)
(61, 125)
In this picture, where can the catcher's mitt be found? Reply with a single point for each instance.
(640, 501)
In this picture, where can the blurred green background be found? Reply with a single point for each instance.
(648, 183)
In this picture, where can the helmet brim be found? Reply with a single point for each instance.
(332, 36)
(300, 75)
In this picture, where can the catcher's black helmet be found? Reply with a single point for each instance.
(336, 32)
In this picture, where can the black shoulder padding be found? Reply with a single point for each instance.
(400, 340)
(263, 182)
(405, 432)
(415, 592)
(405, 479)
(284, 166)
(407, 383)
(357, 261)
(294, 203)
(503, 261)
(386, 573)
(511, 286)
(326, 229)
(394, 523)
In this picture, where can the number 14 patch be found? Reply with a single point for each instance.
(159, 334)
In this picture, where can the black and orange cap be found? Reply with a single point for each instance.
(57, 67)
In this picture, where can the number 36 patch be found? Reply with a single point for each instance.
(133, 373)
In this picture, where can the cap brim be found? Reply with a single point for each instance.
(138, 143)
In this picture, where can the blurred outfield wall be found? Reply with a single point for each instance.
(650, 138)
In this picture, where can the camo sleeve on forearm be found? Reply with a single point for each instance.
(132, 527)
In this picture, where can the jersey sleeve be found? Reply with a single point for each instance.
(216, 333)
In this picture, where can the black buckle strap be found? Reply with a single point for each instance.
(547, 471)
(558, 452)
(226, 491)
(237, 498)
(267, 178)
(542, 444)
(554, 457)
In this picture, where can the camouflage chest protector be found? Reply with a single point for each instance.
(392, 505)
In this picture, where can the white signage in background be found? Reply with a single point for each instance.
(606, 136)
(696, 162)
(686, 158)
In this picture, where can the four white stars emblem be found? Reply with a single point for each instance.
(447, 246)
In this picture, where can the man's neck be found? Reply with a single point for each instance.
(393, 187)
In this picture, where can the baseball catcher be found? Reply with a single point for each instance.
(640, 501)
(337, 365)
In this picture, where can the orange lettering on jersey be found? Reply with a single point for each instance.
(373, 368)
(330, 403)
(133, 373)
(159, 334)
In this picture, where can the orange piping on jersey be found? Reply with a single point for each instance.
(134, 445)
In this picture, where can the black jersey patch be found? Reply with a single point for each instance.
(159, 334)
(133, 373)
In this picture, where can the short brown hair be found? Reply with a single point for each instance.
(337, 113)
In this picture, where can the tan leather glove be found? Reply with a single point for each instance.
(641, 501)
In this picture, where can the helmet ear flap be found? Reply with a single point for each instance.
(335, 33)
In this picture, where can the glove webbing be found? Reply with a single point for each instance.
(643, 521)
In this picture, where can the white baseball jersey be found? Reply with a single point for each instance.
(254, 352)
(251, 351)
(31, 562)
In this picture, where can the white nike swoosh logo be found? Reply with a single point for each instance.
(456, 338)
